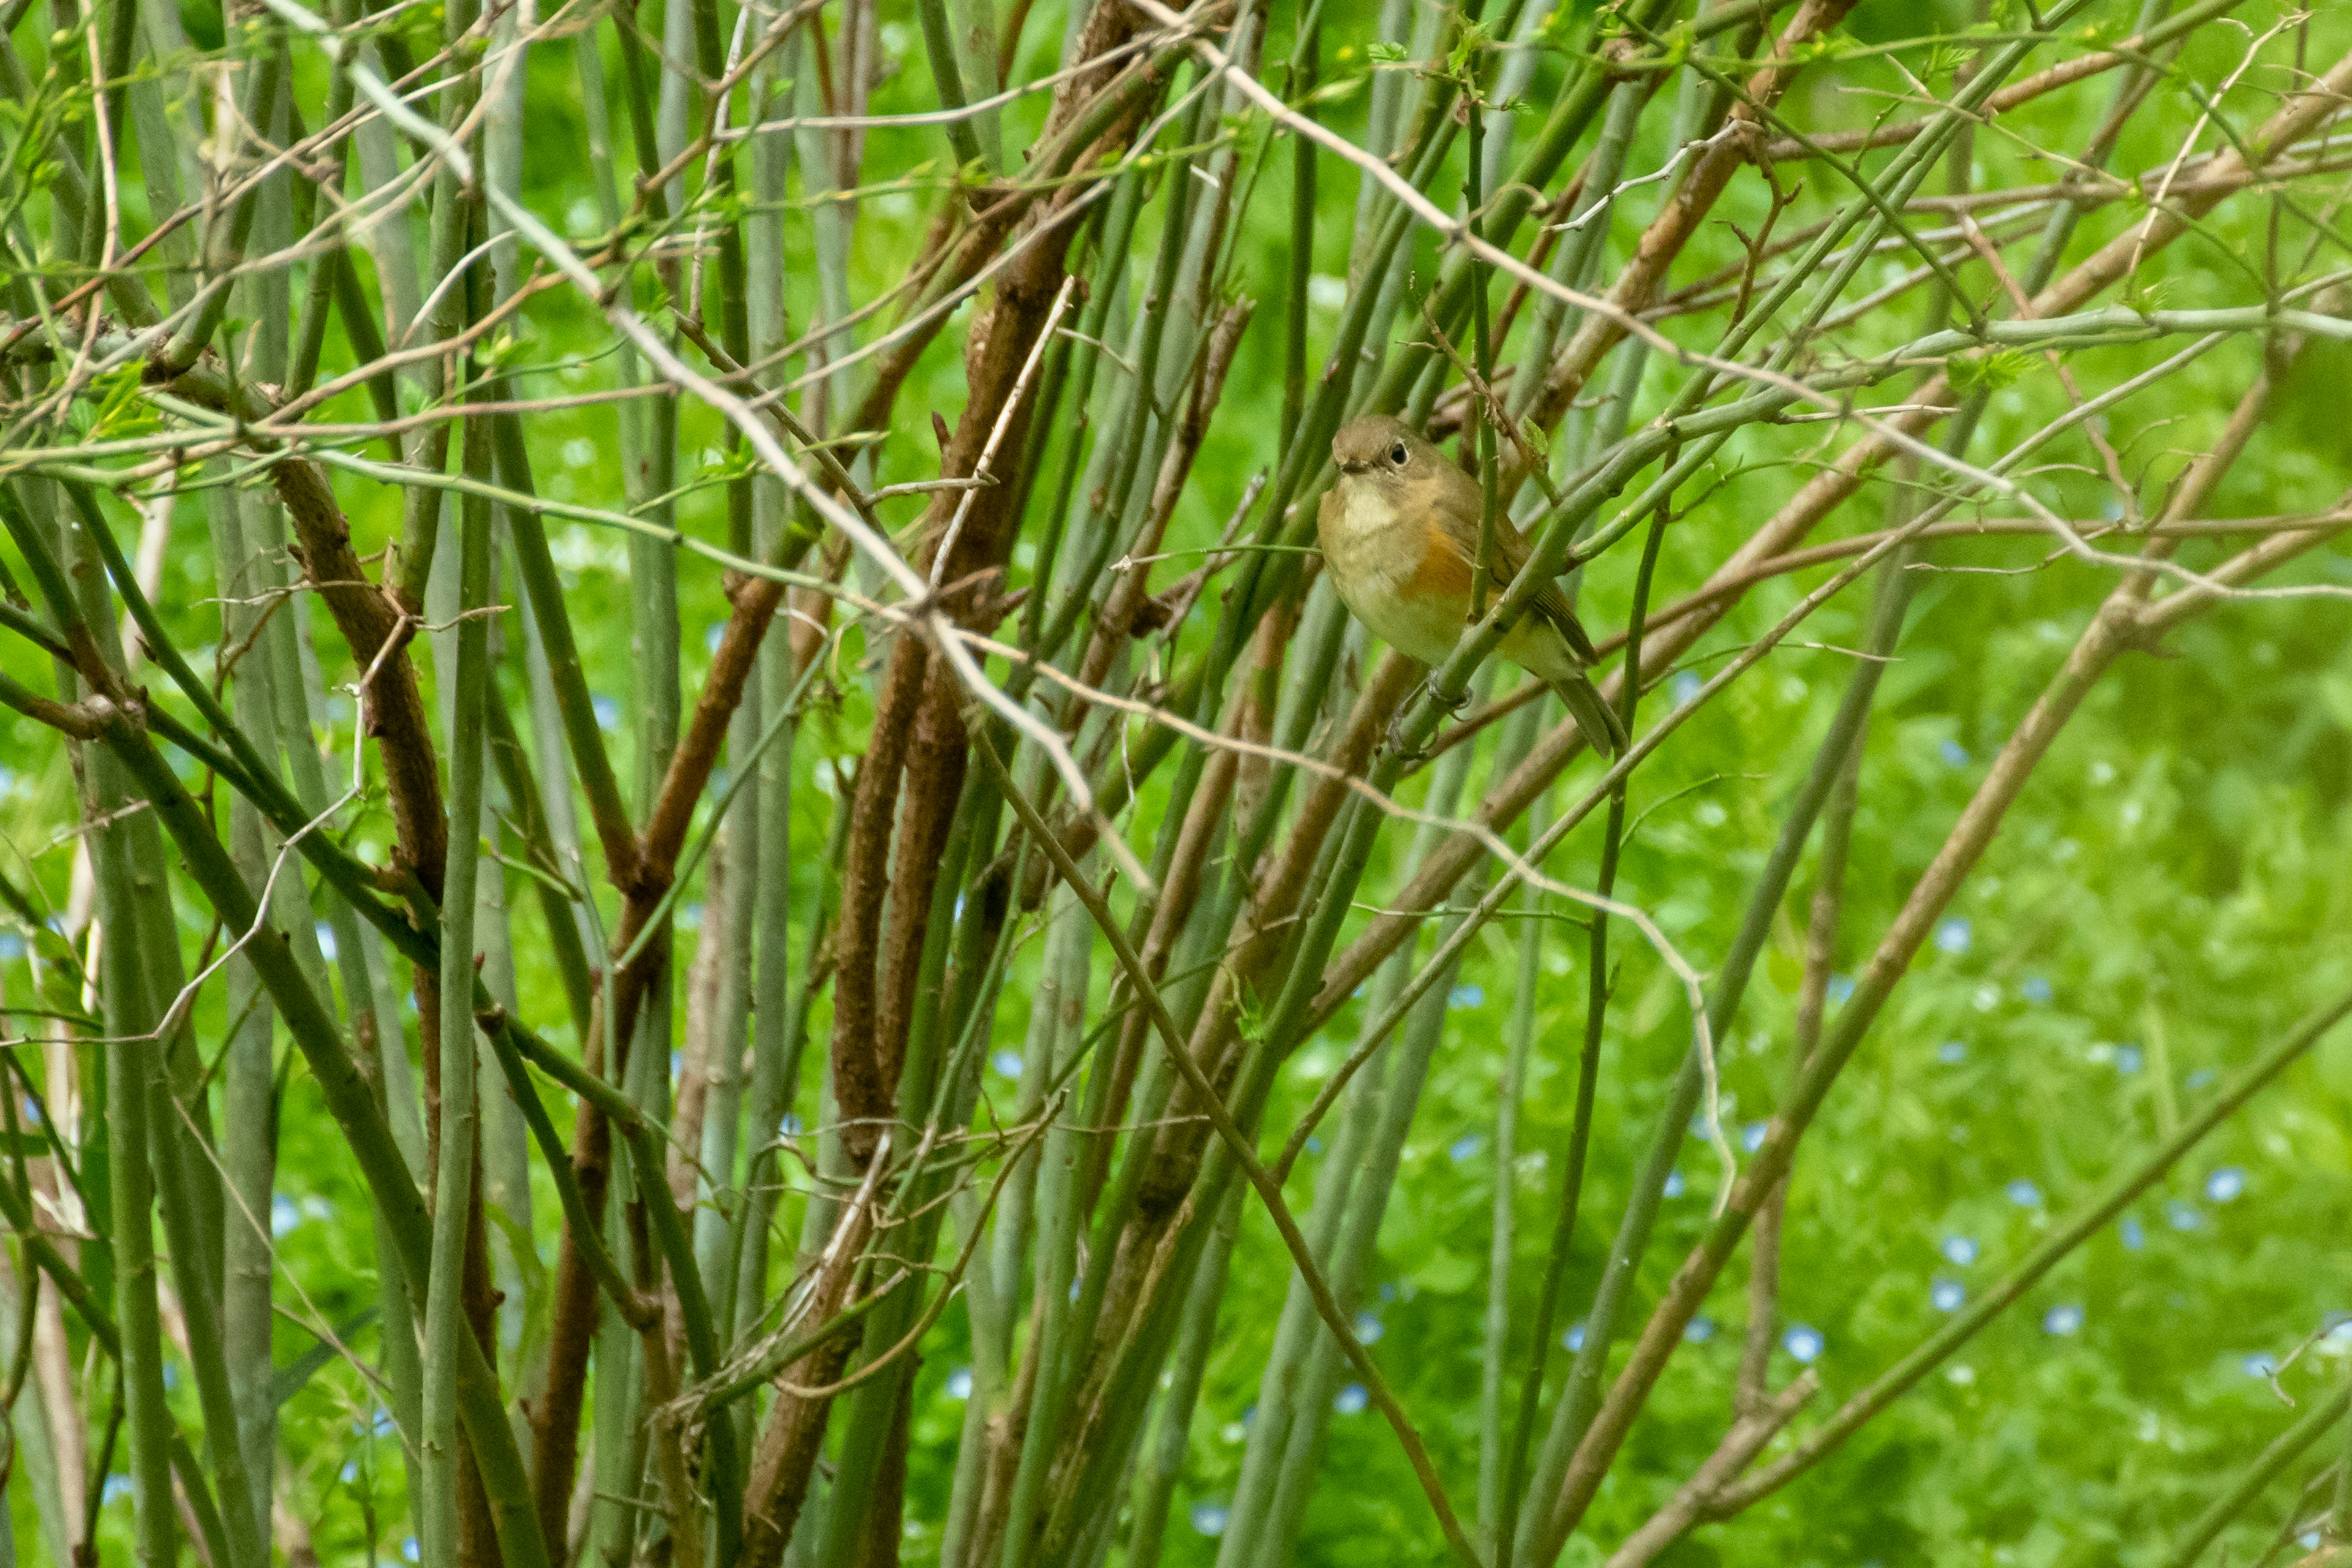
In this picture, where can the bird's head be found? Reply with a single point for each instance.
(1383, 448)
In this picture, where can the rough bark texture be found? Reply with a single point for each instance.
(917, 752)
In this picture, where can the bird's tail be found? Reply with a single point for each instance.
(1603, 731)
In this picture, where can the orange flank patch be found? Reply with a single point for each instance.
(1443, 573)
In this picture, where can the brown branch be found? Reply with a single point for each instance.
(2124, 621)
(1727, 587)
(572, 1319)
(1055, 155)
(2122, 605)
(1695, 196)
(916, 723)
(2196, 487)
(857, 1084)
(2064, 74)
(1748, 1434)
(1140, 1262)
(372, 626)
(1750, 1391)
(928, 805)
(83, 721)
(785, 1458)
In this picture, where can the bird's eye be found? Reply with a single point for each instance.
(1397, 453)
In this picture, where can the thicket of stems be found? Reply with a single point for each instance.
(995, 712)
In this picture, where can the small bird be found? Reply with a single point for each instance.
(1400, 534)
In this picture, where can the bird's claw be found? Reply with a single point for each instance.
(1395, 742)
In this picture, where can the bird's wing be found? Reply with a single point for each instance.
(1512, 550)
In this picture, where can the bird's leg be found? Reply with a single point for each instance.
(1395, 741)
(1453, 705)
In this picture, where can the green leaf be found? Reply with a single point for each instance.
(123, 408)
(1992, 372)
(1463, 56)
(289, 1380)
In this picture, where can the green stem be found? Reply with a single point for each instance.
(453, 1181)
(1482, 568)
(1502, 1243)
(947, 76)
(247, 1115)
(1587, 1074)
(129, 1062)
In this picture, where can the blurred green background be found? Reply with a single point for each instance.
(2169, 896)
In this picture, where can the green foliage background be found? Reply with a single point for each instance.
(2169, 896)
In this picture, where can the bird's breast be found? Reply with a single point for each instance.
(1382, 564)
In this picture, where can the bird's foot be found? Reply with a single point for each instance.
(1453, 702)
(1395, 742)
